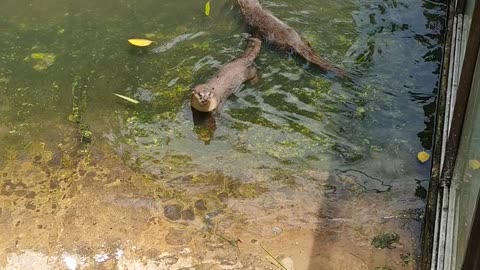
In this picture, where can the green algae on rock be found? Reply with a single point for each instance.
(42, 60)
(385, 240)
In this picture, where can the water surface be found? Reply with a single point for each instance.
(330, 146)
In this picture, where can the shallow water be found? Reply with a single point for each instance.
(341, 152)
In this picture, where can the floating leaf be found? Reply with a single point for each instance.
(140, 42)
(207, 8)
(126, 98)
(423, 156)
(474, 164)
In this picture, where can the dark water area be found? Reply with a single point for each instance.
(61, 62)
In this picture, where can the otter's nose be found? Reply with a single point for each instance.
(203, 98)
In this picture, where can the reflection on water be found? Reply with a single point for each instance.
(61, 61)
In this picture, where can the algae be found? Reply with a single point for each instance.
(385, 240)
(407, 259)
(79, 106)
(42, 60)
(86, 133)
(247, 191)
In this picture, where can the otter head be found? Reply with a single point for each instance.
(203, 99)
(202, 94)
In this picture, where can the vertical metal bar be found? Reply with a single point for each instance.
(457, 56)
(434, 254)
(449, 230)
(457, 63)
(429, 231)
(443, 226)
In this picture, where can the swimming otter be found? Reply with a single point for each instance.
(273, 30)
(228, 79)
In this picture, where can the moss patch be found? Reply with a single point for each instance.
(385, 240)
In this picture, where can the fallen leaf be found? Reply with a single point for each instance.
(207, 8)
(140, 42)
(126, 98)
(423, 156)
(474, 164)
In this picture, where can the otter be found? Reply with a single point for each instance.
(228, 79)
(275, 31)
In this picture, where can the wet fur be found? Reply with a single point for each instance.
(275, 31)
(228, 79)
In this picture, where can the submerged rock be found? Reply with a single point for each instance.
(188, 214)
(172, 211)
(385, 240)
(276, 231)
(200, 205)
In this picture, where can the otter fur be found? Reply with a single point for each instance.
(209, 96)
(275, 31)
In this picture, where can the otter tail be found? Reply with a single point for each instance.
(307, 52)
(253, 49)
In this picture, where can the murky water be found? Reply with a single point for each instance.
(297, 151)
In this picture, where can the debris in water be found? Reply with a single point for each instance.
(127, 98)
(207, 8)
(423, 156)
(474, 164)
(276, 260)
(140, 42)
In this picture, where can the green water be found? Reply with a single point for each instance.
(298, 157)
(294, 117)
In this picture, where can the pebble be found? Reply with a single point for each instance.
(172, 211)
(188, 214)
(276, 230)
(200, 205)
(223, 197)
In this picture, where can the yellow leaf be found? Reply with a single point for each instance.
(207, 8)
(140, 42)
(126, 98)
(474, 164)
(423, 156)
